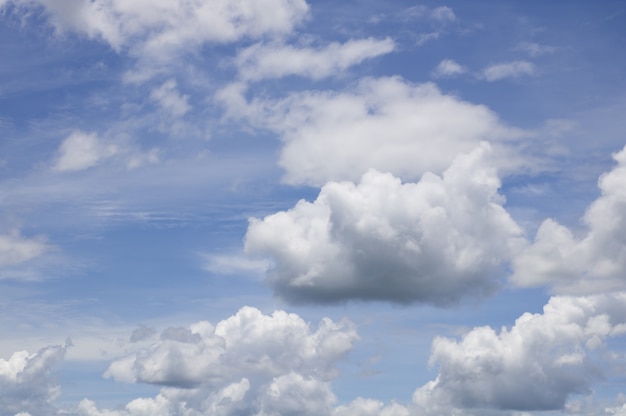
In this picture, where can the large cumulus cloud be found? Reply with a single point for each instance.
(536, 365)
(591, 263)
(434, 241)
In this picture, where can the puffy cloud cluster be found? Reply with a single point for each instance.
(593, 263)
(81, 150)
(434, 241)
(25, 381)
(385, 124)
(535, 365)
(157, 28)
(250, 363)
(262, 61)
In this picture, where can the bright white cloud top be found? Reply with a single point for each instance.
(292, 207)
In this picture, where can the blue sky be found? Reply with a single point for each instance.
(286, 207)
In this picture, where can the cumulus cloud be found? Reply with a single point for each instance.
(448, 68)
(592, 263)
(25, 381)
(443, 14)
(263, 61)
(386, 124)
(505, 70)
(250, 363)
(159, 28)
(535, 365)
(434, 241)
(247, 344)
(81, 150)
(15, 249)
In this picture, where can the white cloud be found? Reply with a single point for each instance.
(370, 407)
(15, 249)
(81, 151)
(435, 241)
(386, 124)
(247, 344)
(443, 14)
(535, 365)
(593, 263)
(158, 28)
(25, 381)
(170, 99)
(263, 61)
(535, 49)
(448, 68)
(505, 70)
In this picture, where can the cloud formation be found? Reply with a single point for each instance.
(435, 241)
(386, 124)
(448, 68)
(15, 249)
(262, 61)
(25, 381)
(81, 150)
(515, 69)
(592, 263)
(535, 365)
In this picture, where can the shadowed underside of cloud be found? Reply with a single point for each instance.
(435, 241)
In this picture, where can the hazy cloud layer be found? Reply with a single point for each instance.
(435, 241)
(386, 124)
(592, 263)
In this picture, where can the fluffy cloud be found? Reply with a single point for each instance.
(386, 124)
(15, 249)
(513, 69)
(434, 241)
(250, 363)
(25, 382)
(448, 68)
(370, 407)
(247, 344)
(157, 28)
(593, 263)
(170, 99)
(271, 61)
(536, 365)
(81, 151)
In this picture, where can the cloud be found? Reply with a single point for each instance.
(250, 363)
(170, 99)
(535, 49)
(247, 344)
(386, 124)
(536, 365)
(371, 407)
(262, 61)
(435, 241)
(592, 263)
(15, 249)
(448, 68)
(505, 70)
(80, 151)
(443, 14)
(25, 381)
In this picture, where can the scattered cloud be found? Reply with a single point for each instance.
(593, 263)
(386, 124)
(435, 241)
(25, 381)
(448, 68)
(170, 99)
(15, 249)
(535, 365)
(262, 61)
(505, 70)
(81, 150)
(443, 14)
(535, 49)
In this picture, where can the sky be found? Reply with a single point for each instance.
(292, 207)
